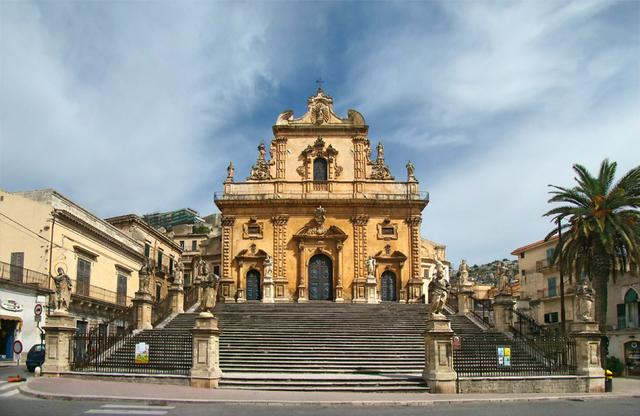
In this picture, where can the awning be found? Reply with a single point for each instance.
(12, 316)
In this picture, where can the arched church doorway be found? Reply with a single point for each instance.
(388, 286)
(253, 285)
(320, 277)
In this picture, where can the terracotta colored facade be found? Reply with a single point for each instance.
(318, 207)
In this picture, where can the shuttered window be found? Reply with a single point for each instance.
(84, 277)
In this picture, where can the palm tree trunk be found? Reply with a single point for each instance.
(601, 271)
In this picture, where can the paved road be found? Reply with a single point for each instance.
(11, 389)
(19, 405)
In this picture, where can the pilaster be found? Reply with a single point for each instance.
(302, 264)
(359, 257)
(279, 257)
(226, 282)
(414, 286)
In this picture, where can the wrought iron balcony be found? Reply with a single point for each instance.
(19, 274)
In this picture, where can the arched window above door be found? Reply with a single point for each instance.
(320, 169)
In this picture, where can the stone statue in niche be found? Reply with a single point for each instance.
(371, 266)
(268, 267)
(585, 296)
(144, 276)
(62, 295)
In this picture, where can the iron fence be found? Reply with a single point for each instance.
(494, 355)
(168, 353)
(526, 327)
(483, 310)
(161, 310)
(190, 297)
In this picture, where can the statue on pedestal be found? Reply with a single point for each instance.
(209, 292)
(503, 277)
(178, 279)
(463, 274)
(62, 297)
(230, 172)
(411, 177)
(440, 288)
(585, 296)
(145, 277)
(202, 269)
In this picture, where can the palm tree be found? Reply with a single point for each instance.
(602, 236)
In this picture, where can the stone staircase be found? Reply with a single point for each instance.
(322, 346)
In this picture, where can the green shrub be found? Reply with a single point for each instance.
(615, 366)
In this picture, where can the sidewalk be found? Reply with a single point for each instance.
(83, 389)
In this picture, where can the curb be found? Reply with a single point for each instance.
(24, 389)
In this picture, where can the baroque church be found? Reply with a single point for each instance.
(321, 219)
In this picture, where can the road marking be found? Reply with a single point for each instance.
(10, 393)
(135, 406)
(126, 412)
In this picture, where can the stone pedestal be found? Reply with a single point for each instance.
(503, 311)
(302, 294)
(59, 329)
(463, 301)
(359, 288)
(339, 296)
(268, 290)
(414, 291)
(438, 370)
(176, 296)
(371, 290)
(588, 363)
(143, 304)
(205, 370)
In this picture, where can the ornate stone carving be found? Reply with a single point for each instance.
(260, 171)
(319, 216)
(144, 277)
(463, 274)
(209, 292)
(371, 266)
(584, 296)
(252, 229)
(387, 230)
(503, 277)
(178, 279)
(319, 150)
(268, 267)
(379, 169)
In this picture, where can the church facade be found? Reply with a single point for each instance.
(320, 218)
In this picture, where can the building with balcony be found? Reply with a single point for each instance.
(304, 223)
(540, 295)
(41, 231)
(161, 250)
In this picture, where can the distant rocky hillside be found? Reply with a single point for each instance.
(485, 274)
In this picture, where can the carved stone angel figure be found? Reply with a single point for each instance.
(62, 298)
(585, 296)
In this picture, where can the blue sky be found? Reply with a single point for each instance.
(139, 106)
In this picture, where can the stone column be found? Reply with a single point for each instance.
(587, 337)
(414, 287)
(339, 295)
(226, 281)
(59, 329)
(205, 369)
(176, 294)
(240, 291)
(502, 312)
(302, 287)
(143, 304)
(438, 370)
(463, 301)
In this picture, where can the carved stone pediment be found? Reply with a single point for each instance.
(320, 112)
(319, 149)
(387, 255)
(311, 231)
(251, 254)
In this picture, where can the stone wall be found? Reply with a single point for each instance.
(530, 384)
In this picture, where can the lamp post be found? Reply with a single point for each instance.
(562, 306)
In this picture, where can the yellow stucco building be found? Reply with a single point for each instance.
(306, 222)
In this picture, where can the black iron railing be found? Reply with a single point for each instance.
(161, 310)
(483, 310)
(526, 327)
(120, 323)
(452, 301)
(167, 353)
(21, 275)
(190, 297)
(497, 356)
